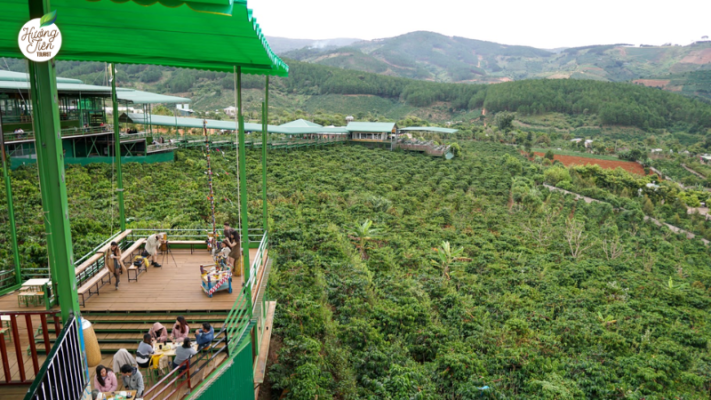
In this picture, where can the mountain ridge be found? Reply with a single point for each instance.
(431, 56)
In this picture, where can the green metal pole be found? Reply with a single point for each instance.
(242, 165)
(117, 150)
(10, 208)
(265, 125)
(50, 161)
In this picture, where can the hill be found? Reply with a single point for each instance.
(693, 84)
(317, 88)
(435, 57)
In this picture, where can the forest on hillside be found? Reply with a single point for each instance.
(398, 275)
(617, 104)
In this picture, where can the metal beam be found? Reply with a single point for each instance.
(10, 208)
(265, 123)
(50, 162)
(117, 150)
(242, 165)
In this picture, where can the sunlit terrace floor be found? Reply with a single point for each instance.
(173, 288)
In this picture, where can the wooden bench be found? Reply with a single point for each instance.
(88, 263)
(191, 243)
(132, 268)
(117, 239)
(95, 283)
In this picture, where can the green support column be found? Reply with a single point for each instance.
(242, 166)
(117, 150)
(265, 126)
(50, 162)
(10, 208)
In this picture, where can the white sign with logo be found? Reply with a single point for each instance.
(39, 43)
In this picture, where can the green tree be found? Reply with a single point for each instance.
(549, 155)
(648, 206)
(504, 121)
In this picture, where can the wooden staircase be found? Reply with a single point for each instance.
(125, 330)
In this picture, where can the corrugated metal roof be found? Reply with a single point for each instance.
(23, 77)
(220, 36)
(61, 87)
(299, 123)
(429, 129)
(11, 81)
(374, 127)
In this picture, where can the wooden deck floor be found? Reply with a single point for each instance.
(174, 287)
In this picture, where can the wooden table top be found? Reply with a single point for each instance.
(112, 395)
(36, 282)
(170, 352)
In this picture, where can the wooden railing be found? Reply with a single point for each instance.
(63, 375)
(194, 366)
(18, 341)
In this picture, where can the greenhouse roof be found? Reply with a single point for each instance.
(203, 34)
(300, 123)
(375, 127)
(429, 129)
(141, 97)
(182, 122)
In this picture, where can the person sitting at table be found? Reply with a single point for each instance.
(183, 353)
(132, 379)
(204, 336)
(181, 330)
(144, 352)
(105, 379)
(159, 333)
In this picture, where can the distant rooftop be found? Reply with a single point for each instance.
(371, 127)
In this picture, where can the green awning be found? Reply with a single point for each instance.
(428, 129)
(14, 86)
(223, 34)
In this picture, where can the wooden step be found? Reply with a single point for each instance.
(139, 328)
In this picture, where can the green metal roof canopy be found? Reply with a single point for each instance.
(220, 35)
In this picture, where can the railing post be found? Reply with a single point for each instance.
(10, 208)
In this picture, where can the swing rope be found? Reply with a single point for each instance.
(211, 197)
(237, 113)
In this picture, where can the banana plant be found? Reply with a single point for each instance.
(444, 256)
(362, 234)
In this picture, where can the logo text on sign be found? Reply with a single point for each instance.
(39, 43)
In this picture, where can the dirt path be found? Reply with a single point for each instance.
(693, 172)
(655, 221)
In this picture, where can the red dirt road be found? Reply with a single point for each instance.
(628, 166)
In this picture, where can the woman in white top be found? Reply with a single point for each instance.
(152, 244)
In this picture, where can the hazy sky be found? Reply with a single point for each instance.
(539, 23)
